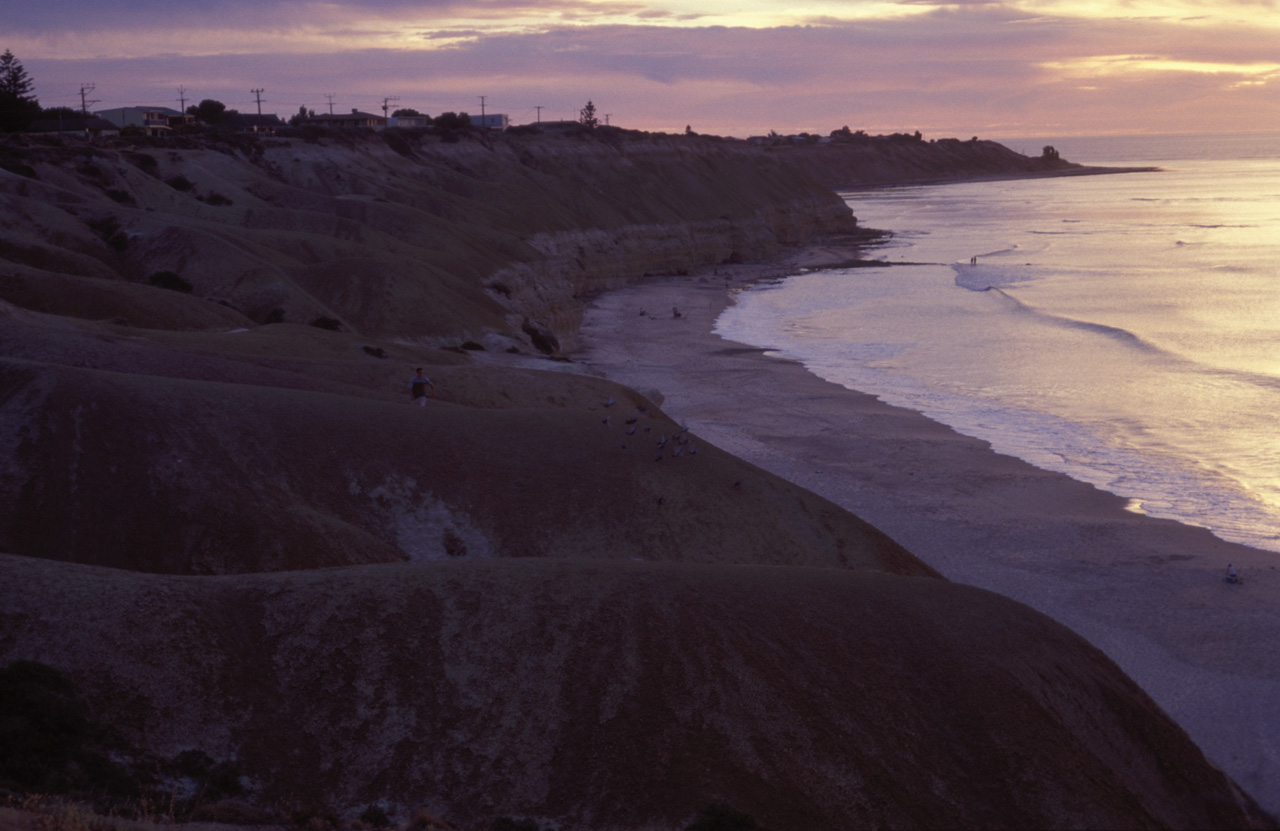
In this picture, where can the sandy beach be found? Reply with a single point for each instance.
(1149, 592)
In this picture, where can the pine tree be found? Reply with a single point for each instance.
(13, 77)
(18, 106)
(587, 116)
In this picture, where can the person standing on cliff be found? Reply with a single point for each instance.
(418, 386)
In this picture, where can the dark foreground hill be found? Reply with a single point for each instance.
(225, 527)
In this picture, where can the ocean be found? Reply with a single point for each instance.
(1123, 329)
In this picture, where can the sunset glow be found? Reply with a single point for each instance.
(1024, 67)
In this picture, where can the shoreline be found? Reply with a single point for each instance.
(1147, 591)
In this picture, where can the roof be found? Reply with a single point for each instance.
(71, 124)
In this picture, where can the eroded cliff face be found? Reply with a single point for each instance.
(387, 236)
(235, 536)
(576, 264)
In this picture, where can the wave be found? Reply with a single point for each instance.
(1136, 342)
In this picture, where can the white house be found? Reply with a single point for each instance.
(155, 120)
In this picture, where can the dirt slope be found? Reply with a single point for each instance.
(234, 533)
(610, 695)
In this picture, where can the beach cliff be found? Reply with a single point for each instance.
(534, 599)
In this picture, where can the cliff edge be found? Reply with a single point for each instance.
(233, 550)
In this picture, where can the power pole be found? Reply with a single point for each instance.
(606, 119)
(482, 125)
(329, 95)
(386, 104)
(257, 94)
(182, 98)
(538, 107)
(85, 89)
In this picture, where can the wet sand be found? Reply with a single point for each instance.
(1148, 592)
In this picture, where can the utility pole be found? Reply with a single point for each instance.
(539, 107)
(482, 124)
(257, 94)
(606, 119)
(85, 89)
(329, 95)
(386, 104)
(182, 98)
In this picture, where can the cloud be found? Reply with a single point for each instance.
(964, 69)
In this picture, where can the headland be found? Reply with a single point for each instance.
(253, 576)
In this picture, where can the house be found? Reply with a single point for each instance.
(356, 120)
(156, 121)
(491, 121)
(86, 126)
(250, 123)
(409, 121)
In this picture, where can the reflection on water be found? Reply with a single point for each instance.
(1124, 329)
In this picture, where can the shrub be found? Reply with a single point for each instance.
(330, 323)
(375, 817)
(719, 817)
(143, 161)
(180, 183)
(169, 280)
(214, 199)
(109, 229)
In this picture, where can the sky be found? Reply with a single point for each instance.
(999, 69)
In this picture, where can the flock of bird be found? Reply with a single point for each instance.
(680, 442)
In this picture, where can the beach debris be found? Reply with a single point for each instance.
(693, 450)
(737, 485)
(662, 442)
(675, 452)
(675, 313)
(610, 402)
(605, 421)
(633, 420)
(631, 432)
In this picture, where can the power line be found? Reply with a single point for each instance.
(85, 89)
(182, 98)
(329, 96)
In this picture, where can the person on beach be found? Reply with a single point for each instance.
(1232, 577)
(418, 386)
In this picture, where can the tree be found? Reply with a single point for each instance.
(208, 111)
(18, 106)
(587, 116)
(452, 121)
(406, 112)
(301, 115)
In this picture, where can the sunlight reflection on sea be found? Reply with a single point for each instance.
(1123, 329)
